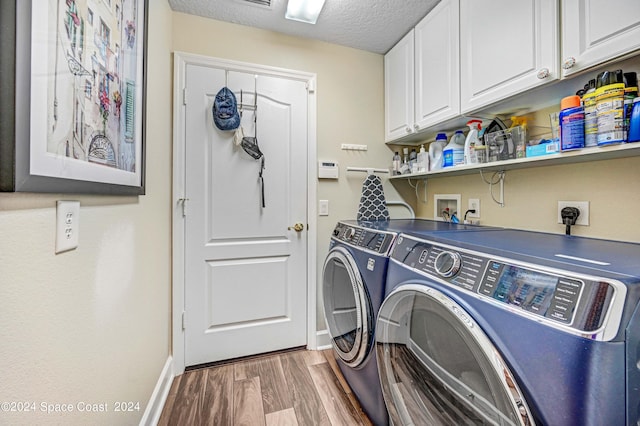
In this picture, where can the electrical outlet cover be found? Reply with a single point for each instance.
(67, 225)
(474, 204)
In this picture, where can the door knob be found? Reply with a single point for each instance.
(298, 227)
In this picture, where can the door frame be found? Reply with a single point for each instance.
(180, 62)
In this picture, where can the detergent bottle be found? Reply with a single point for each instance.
(436, 152)
(454, 151)
(472, 140)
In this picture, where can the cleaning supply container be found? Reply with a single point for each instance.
(634, 122)
(454, 152)
(571, 123)
(610, 107)
(471, 141)
(436, 152)
(423, 160)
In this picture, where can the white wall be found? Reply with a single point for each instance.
(92, 325)
(349, 103)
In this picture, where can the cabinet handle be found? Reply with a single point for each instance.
(569, 63)
(408, 129)
(417, 127)
(543, 73)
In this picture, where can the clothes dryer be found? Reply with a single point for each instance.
(353, 284)
(511, 328)
(354, 280)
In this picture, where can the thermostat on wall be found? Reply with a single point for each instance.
(328, 170)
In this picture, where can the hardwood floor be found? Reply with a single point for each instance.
(292, 388)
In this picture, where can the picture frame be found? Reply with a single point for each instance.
(73, 96)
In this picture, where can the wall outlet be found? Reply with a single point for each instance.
(583, 206)
(474, 204)
(67, 225)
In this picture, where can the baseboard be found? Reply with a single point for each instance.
(155, 405)
(323, 340)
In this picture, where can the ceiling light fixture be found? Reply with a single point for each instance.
(304, 10)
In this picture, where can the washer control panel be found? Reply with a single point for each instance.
(376, 241)
(572, 301)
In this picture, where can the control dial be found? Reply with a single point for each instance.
(349, 233)
(448, 263)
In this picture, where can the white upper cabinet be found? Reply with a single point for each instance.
(595, 31)
(422, 74)
(506, 47)
(437, 65)
(399, 89)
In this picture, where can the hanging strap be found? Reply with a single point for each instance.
(261, 179)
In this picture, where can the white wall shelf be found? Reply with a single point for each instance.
(566, 157)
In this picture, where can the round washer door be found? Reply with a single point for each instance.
(437, 366)
(347, 308)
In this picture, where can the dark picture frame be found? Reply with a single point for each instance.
(73, 96)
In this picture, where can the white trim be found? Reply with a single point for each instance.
(180, 62)
(158, 398)
(323, 340)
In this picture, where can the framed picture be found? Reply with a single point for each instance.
(72, 96)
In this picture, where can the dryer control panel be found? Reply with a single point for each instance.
(578, 302)
(373, 240)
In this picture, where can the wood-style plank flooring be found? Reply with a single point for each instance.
(292, 388)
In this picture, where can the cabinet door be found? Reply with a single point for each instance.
(506, 47)
(594, 31)
(398, 89)
(437, 70)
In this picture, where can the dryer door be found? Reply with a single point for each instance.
(347, 308)
(437, 366)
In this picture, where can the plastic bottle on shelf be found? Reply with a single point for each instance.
(610, 106)
(423, 160)
(630, 94)
(413, 159)
(453, 153)
(471, 141)
(436, 152)
(590, 115)
(404, 167)
(572, 123)
(396, 163)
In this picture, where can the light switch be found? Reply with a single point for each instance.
(323, 207)
(67, 225)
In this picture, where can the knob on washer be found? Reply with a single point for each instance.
(448, 263)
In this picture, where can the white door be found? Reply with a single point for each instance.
(506, 48)
(245, 271)
(398, 89)
(594, 31)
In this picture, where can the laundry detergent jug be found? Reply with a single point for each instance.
(453, 153)
(436, 152)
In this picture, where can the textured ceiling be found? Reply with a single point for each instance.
(372, 25)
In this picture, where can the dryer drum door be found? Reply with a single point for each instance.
(347, 307)
(437, 366)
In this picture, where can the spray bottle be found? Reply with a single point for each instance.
(471, 141)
